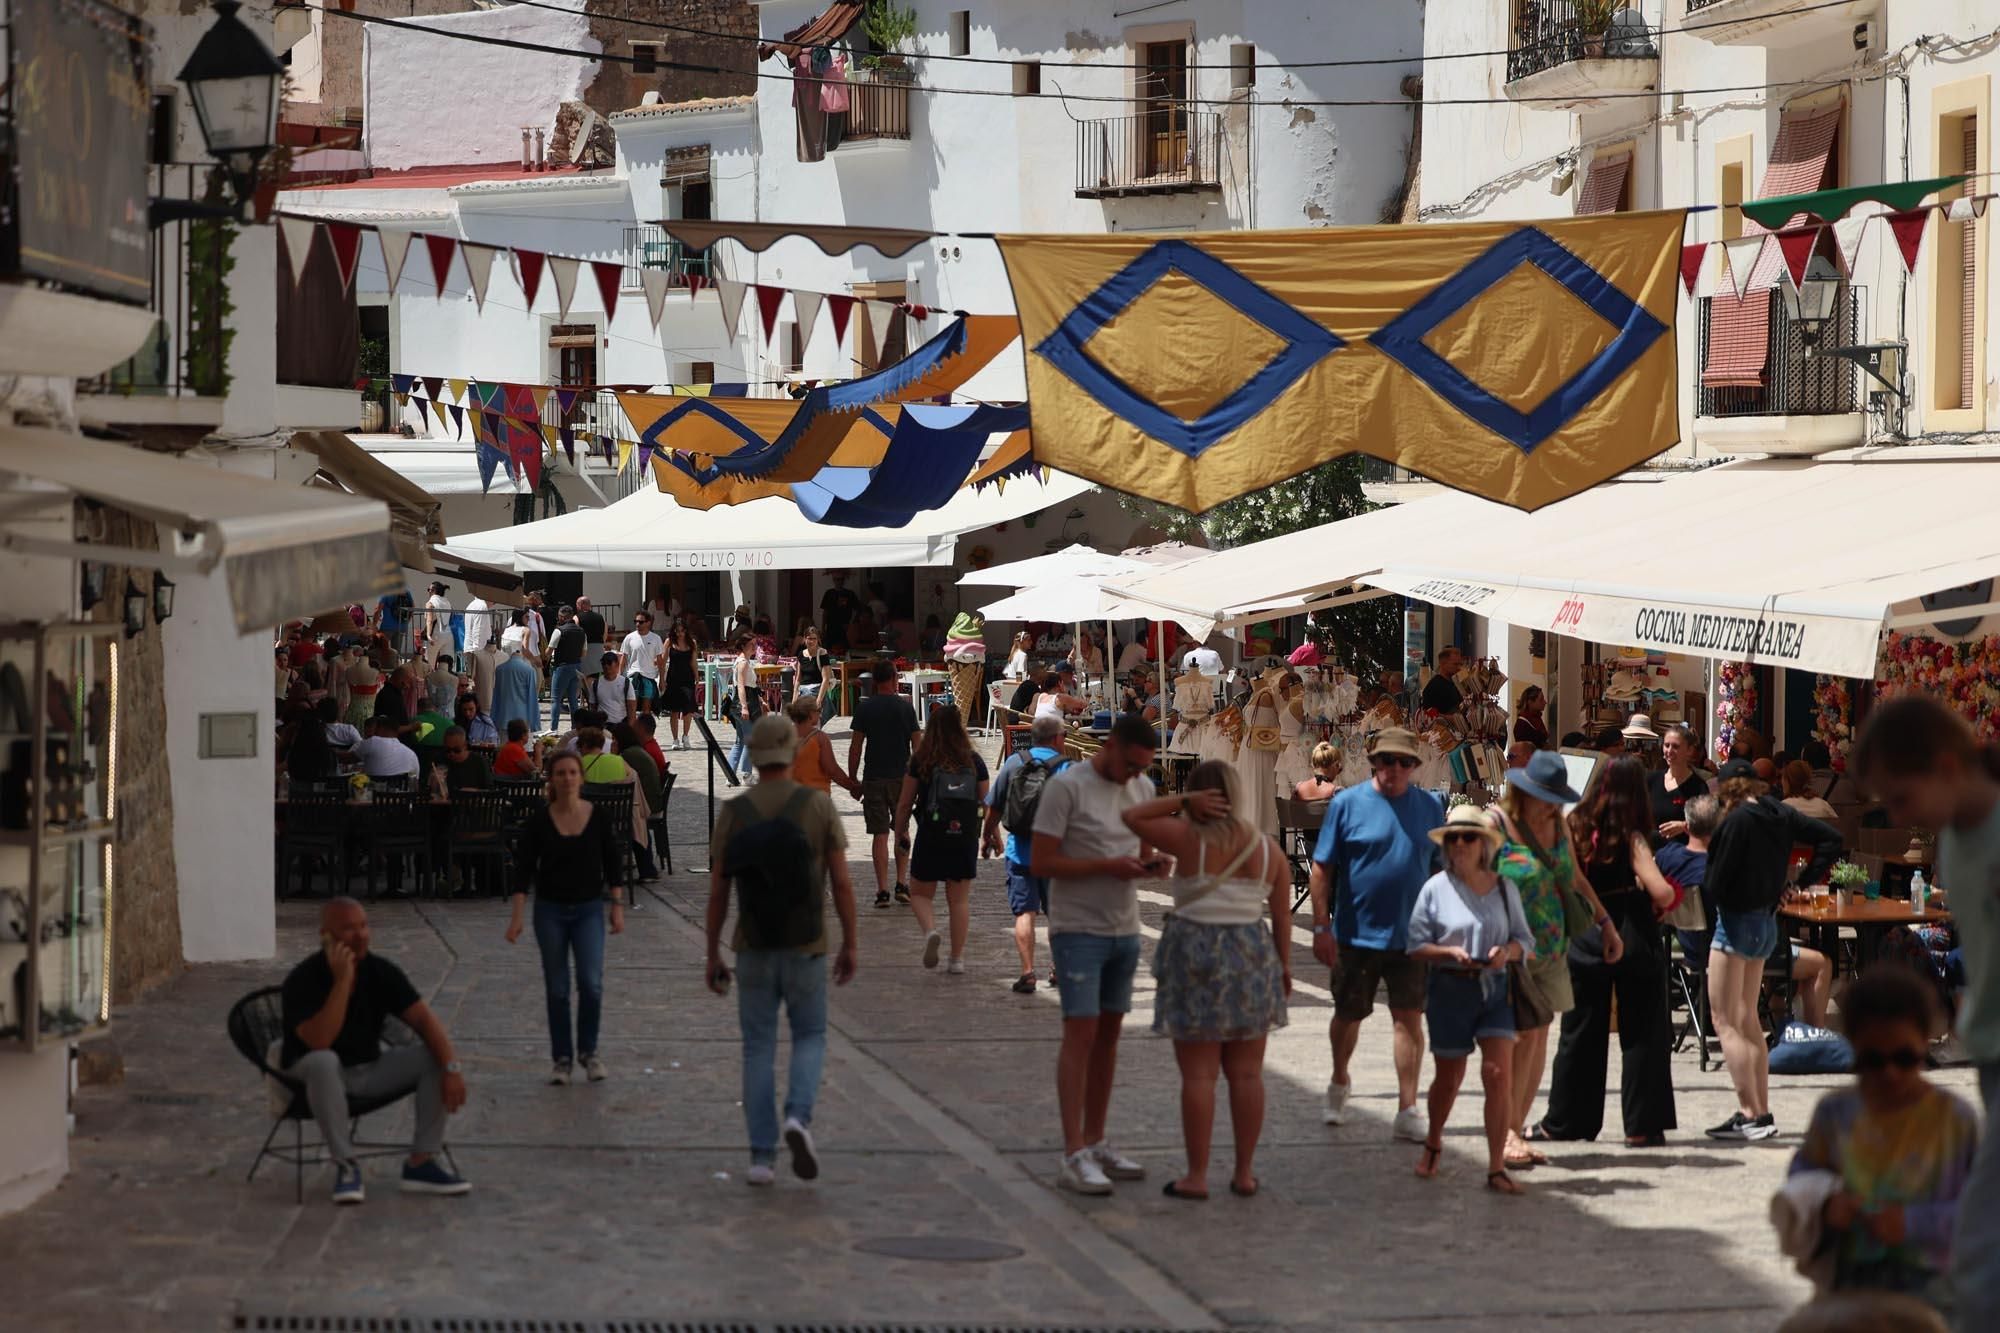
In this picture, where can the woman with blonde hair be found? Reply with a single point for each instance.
(1223, 968)
(946, 789)
(1325, 779)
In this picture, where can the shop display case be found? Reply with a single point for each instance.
(58, 806)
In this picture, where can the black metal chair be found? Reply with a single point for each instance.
(478, 838)
(1687, 989)
(615, 798)
(257, 1028)
(663, 845)
(1298, 833)
(315, 834)
(394, 830)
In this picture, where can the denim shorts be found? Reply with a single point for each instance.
(1460, 1010)
(1752, 935)
(1026, 893)
(1094, 973)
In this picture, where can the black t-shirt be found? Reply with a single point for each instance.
(564, 869)
(888, 722)
(836, 608)
(1531, 731)
(381, 991)
(593, 627)
(1024, 696)
(566, 648)
(811, 666)
(1671, 807)
(389, 704)
(1442, 695)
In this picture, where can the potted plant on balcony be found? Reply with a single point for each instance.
(1593, 20)
(888, 26)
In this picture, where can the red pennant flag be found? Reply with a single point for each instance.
(608, 273)
(840, 308)
(1691, 257)
(1909, 230)
(345, 238)
(441, 250)
(919, 313)
(1797, 245)
(768, 301)
(695, 282)
(529, 263)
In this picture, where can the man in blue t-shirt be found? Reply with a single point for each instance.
(1027, 894)
(1374, 853)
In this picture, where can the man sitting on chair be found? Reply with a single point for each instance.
(334, 1005)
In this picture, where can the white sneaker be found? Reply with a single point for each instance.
(1411, 1125)
(932, 943)
(1336, 1103)
(594, 1068)
(760, 1173)
(559, 1074)
(805, 1161)
(1082, 1175)
(956, 967)
(1113, 1165)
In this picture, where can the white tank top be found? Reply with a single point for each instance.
(1236, 900)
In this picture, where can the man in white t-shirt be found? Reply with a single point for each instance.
(1132, 655)
(611, 692)
(1203, 659)
(1091, 859)
(478, 624)
(381, 754)
(437, 624)
(639, 660)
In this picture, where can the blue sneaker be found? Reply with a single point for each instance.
(431, 1178)
(347, 1186)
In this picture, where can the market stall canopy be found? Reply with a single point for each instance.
(1797, 563)
(1066, 586)
(1075, 561)
(822, 29)
(439, 469)
(647, 531)
(890, 242)
(932, 450)
(286, 551)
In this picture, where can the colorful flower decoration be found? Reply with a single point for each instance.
(1965, 676)
(1735, 703)
(1833, 718)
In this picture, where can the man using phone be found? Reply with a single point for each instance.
(334, 1006)
(1091, 861)
(779, 843)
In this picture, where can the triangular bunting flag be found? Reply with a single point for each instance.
(769, 299)
(1964, 210)
(655, 281)
(1796, 244)
(489, 457)
(457, 388)
(838, 308)
(1847, 240)
(877, 329)
(695, 282)
(566, 402)
(645, 457)
(549, 437)
(1909, 231)
(345, 238)
(563, 272)
(423, 412)
(402, 399)
(608, 274)
(395, 249)
(401, 383)
(606, 447)
(298, 234)
(433, 385)
(919, 313)
(478, 269)
(528, 269)
(568, 438)
(1691, 261)
(457, 420)
(806, 305)
(730, 293)
(624, 455)
(441, 248)
(1741, 255)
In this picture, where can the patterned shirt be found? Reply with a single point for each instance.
(1540, 886)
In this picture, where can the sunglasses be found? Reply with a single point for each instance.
(1869, 1062)
(1451, 838)
(1393, 761)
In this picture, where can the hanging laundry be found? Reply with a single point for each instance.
(805, 103)
(831, 69)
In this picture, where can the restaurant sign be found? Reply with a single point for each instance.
(81, 99)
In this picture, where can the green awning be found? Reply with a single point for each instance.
(1832, 205)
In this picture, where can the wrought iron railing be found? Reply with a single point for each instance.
(1800, 378)
(647, 246)
(1169, 148)
(1548, 33)
(184, 356)
(1696, 6)
(877, 108)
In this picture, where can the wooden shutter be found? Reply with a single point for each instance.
(1968, 293)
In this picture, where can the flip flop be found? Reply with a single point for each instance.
(1502, 1183)
(1427, 1165)
(1174, 1191)
(1242, 1193)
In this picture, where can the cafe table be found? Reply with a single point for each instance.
(1870, 918)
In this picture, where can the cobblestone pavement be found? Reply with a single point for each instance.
(937, 1119)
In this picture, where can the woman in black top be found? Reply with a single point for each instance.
(1528, 723)
(571, 857)
(677, 694)
(1610, 837)
(1669, 790)
(812, 671)
(946, 788)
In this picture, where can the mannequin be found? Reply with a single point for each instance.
(363, 680)
(1257, 759)
(1295, 760)
(1194, 701)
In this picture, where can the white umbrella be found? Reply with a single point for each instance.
(1074, 562)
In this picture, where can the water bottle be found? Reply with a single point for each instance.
(1919, 891)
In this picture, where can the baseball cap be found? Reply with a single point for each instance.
(773, 741)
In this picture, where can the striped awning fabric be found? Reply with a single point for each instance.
(1604, 189)
(1739, 338)
(685, 166)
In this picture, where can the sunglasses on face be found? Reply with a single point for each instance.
(1394, 761)
(1869, 1062)
(1451, 838)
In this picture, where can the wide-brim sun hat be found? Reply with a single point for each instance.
(1393, 740)
(1469, 819)
(1639, 727)
(1546, 778)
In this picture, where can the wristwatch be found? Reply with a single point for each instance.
(454, 1068)
(1325, 929)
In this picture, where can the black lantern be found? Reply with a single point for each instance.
(135, 609)
(92, 589)
(234, 81)
(163, 598)
(1811, 303)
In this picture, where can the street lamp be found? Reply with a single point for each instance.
(1811, 303)
(234, 82)
(163, 598)
(135, 609)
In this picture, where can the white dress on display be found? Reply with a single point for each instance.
(1194, 700)
(1295, 760)
(1257, 766)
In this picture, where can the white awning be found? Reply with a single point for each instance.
(286, 550)
(648, 531)
(441, 471)
(1787, 562)
(1071, 562)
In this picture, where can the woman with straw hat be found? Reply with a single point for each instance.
(1468, 927)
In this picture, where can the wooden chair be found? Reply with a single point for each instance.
(1298, 832)
(315, 834)
(393, 830)
(479, 838)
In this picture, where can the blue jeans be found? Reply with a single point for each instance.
(1975, 1250)
(562, 929)
(565, 685)
(741, 750)
(764, 977)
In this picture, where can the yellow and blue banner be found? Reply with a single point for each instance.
(1523, 362)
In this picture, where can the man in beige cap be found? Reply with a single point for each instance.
(779, 843)
(1374, 854)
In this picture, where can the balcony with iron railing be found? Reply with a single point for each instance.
(878, 112)
(1810, 401)
(1761, 22)
(647, 246)
(1568, 53)
(1169, 148)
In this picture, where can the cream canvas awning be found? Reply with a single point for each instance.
(285, 550)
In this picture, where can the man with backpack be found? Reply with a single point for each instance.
(778, 843)
(1011, 802)
(565, 667)
(884, 723)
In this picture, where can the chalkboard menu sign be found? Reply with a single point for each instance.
(81, 98)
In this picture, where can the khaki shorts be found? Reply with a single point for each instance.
(1552, 975)
(1362, 972)
(878, 802)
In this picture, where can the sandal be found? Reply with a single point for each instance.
(1537, 1133)
(1427, 1165)
(1174, 1191)
(1502, 1183)
(1251, 1193)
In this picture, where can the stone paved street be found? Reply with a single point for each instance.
(937, 1120)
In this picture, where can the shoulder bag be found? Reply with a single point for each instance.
(1531, 1008)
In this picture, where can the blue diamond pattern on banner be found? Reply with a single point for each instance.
(1403, 337)
(1306, 342)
